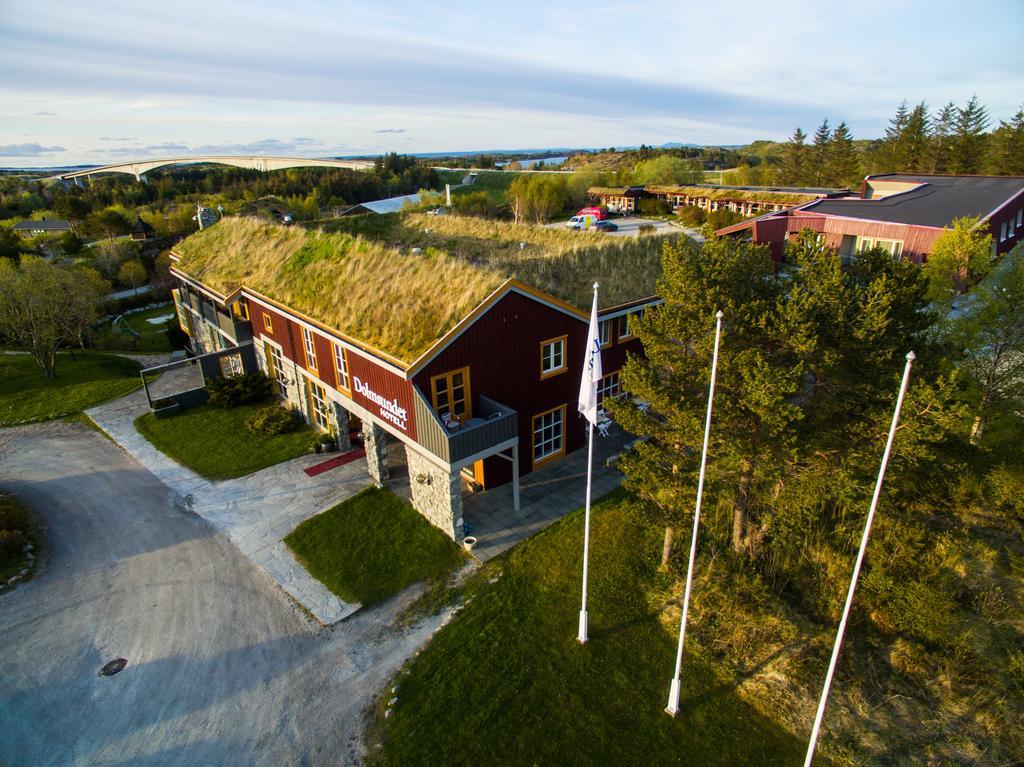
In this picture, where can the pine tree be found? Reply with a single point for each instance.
(943, 127)
(969, 138)
(818, 172)
(892, 160)
(1006, 147)
(914, 141)
(843, 163)
(794, 160)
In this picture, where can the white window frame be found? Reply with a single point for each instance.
(604, 332)
(318, 402)
(1020, 218)
(551, 350)
(895, 247)
(341, 368)
(1002, 232)
(309, 347)
(279, 380)
(548, 434)
(610, 385)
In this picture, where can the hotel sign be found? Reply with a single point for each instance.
(390, 410)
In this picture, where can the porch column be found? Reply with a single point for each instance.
(375, 442)
(339, 423)
(515, 477)
(436, 494)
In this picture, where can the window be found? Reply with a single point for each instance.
(1020, 218)
(307, 343)
(240, 309)
(552, 357)
(268, 323)
(341, 368)
(893, 247)
(624, 320)
(604, 331)
(609, 387)
(1002, 232)
(450, 392)
(318, 405)
(547, 435)
(275, 370)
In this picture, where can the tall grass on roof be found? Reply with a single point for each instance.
(372, 287)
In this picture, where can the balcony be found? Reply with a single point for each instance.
(493, 424)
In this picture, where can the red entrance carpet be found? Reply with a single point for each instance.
(338, 460)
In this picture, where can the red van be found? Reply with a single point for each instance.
(596, 211)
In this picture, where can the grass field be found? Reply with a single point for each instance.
(152, 337)
(91, 378)
(215, 442)
(372, 546)
(505, 682)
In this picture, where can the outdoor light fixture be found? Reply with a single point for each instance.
(423, 479)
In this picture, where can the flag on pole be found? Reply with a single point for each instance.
(588, 407)
(591, 368)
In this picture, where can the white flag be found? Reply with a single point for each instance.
(591, 368)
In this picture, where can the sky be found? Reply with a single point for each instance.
(105, 81)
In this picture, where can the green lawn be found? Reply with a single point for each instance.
(505, 682)
(215, 442)
(91, 378)
(372, 546)
(152, 337)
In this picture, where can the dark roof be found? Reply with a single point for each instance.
(142, 226)
(938, 200)
(43, 224)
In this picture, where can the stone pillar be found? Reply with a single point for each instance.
(339, 424)
(376, 444)
(436, 494)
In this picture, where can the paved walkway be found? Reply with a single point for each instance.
(255, 512)
(545, 496)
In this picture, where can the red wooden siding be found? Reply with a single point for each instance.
(502, 351)
(367, 377)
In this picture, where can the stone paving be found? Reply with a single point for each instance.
(545, 496)
(255, 512)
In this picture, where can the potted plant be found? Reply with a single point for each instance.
(328, 442)
(316, 445)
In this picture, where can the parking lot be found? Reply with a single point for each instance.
(629, 226)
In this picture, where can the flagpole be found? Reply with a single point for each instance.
(673, 693)
(856, 568)
(588, 382)
(582, 637)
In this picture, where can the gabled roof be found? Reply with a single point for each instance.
(43, 224)
(400, 302)
(935, 200)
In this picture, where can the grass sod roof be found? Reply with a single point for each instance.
(366, 282)
(785, 198)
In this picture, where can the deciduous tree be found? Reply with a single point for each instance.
(960, 257)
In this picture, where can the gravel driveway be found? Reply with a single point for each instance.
(222, 668)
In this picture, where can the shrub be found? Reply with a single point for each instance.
(651, 207)
(233, 391)
(1006, 488)
(273, 419)
(11, 544)
(647, 228)
(691, 215)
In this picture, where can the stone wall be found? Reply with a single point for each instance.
(438, 497)
(375, 442)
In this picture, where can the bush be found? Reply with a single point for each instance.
(11, 544)
(1006, 488)
(691, 215)
(652, 207)
(233, 391)
(273, 420)
(647, 229)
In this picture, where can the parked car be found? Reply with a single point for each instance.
(606, 226)
(581, 222)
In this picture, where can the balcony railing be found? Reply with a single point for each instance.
(492, 424)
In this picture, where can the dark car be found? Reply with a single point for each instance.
(606, 226)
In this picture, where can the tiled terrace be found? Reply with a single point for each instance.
(545, 495)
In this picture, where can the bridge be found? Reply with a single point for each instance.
(139, 168)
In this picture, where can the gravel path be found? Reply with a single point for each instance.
(222, 668)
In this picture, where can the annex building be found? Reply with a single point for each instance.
(745, 200)
(901, 213)
(474, 369)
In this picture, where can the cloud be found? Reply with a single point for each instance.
(118, 138)
(27, 150)
(390, 130)
(271, 147)
(45, 114)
